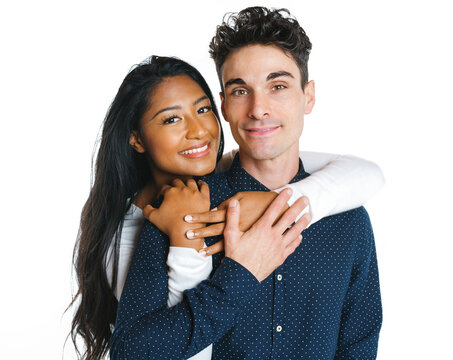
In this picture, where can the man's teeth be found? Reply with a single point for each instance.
(203, 148)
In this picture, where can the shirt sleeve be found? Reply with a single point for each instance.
(147, 329)
(361, 316)
(337, 183)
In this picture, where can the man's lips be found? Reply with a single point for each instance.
(262, 131)
(196, 151)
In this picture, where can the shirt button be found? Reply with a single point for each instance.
(279, 277)
(279, 328)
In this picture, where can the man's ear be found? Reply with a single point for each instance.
(222, 105)
(136, 142)
(310, 98)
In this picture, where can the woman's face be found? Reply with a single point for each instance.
(179, 132)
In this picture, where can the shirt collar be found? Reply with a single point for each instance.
(241, 180)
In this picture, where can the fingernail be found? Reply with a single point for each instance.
(233, 203)
(215, 209)
(202, 252)
(289, 191)
(305, 200)
(190, 234)
(188, 218)
(300, 237)
(308, 217)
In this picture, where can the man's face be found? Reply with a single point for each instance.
(264, 102)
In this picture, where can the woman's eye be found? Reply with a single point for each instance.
(239, 92)
(278, 87)
(171, 120)
(204, 109)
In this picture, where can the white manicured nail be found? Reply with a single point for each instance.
(188, 218)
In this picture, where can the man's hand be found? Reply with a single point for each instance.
(266, 245)
(179, 200)
(253, 205)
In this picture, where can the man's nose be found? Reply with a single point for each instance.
(195, 128)
(259, 106)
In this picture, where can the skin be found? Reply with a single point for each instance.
(178, 120)
(265, 107)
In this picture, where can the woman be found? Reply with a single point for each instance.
(131, 167)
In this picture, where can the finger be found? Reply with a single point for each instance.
(191, 184)
(224, 204)
(163, 189)
(212, 230)
(206, 217)
(178, 183)
(275, 208)
(204, 188)
(213, 249)
(291, 214)
(292, 246)
(297, 228)
(147, 211)
(232, 219)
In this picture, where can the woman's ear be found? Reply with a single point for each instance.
(136, 142)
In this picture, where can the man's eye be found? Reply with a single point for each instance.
(171, 120)
(278, 87)
(204, 109)
(239, 92)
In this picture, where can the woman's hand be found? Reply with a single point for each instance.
(178, 200)
(253, 205)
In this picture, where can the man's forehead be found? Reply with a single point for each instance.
(258, 63)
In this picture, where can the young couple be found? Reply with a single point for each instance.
(260, 294)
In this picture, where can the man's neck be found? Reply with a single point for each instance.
(272, 173)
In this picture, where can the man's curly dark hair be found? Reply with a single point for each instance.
(260, 25)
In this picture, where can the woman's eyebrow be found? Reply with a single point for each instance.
(175, 107)
(178, 107)
(200, 100)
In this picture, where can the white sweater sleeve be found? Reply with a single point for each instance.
(186, 269)
(337, 183)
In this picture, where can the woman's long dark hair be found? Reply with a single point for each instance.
(119, 174)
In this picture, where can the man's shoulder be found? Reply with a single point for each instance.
(358, 217)
(219, 187)
(353, 226)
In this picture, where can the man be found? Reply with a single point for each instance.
(323, 299)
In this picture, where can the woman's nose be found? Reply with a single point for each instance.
(195, 128)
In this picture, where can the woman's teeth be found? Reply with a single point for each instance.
(203, 148)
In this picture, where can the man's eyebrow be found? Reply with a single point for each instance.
(277, 74)
(237, 81)
(178, 107)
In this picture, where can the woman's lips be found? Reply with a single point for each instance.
(196, 151)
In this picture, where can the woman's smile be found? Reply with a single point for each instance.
(197, 151)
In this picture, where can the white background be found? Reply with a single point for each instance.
(383, 79)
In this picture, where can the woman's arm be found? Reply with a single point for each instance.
(337, 183)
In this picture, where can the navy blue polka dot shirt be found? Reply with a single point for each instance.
(322, 303)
